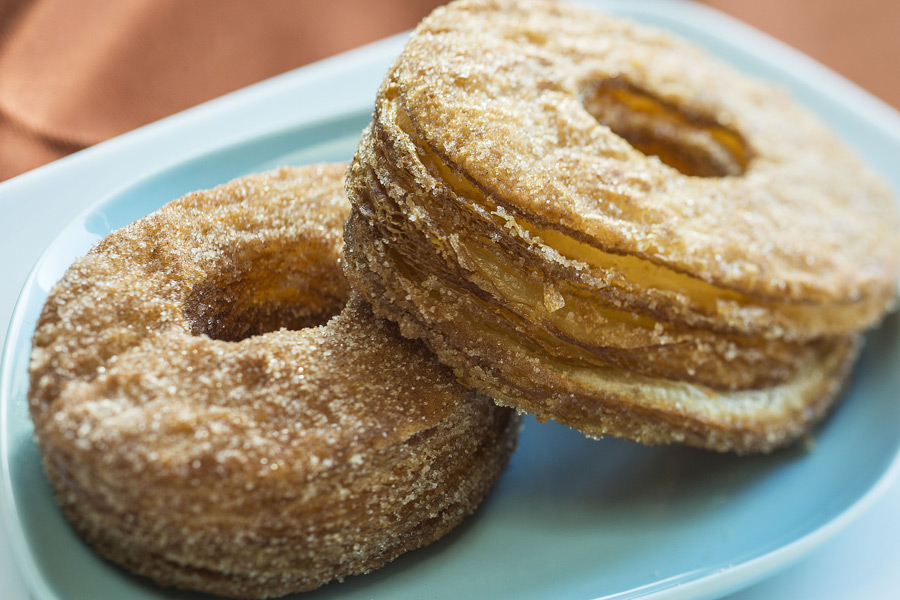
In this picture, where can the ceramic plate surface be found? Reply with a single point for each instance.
(570, 518)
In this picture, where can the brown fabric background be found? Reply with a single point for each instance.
(75, 72)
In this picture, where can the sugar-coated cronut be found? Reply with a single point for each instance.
(207, 422)
(597, 222)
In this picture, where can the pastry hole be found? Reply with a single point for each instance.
(691, 143)
(268, 293)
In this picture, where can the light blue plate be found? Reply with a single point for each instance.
(571, 518)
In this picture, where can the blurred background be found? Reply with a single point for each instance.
(76, 72)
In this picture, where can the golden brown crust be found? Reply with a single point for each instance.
(193, 441)
(507, 212)
(597, 400)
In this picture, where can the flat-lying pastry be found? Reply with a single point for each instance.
(192, 438)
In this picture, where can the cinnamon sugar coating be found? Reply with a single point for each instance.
(217, 412)
(562, 203)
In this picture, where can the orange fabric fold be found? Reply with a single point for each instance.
(75, 72)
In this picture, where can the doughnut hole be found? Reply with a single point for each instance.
(691, 143)
(264, 289)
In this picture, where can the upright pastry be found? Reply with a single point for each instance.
(217, 412)
(596, 222)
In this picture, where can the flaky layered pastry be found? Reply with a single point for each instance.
(596, 222)
(207, 422)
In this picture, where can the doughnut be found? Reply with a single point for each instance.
(218, 412)
(596, 222)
